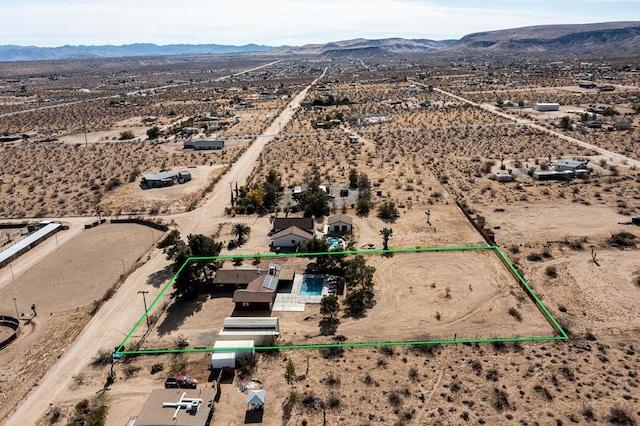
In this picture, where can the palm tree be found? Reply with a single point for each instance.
(240, 230)
(386, 234)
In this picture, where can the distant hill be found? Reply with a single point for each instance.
(607, 39)
(358, 53)
(33, 53)
(393, 45)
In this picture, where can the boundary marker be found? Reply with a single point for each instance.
(561, 334)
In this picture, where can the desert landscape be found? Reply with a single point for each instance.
(404, 152)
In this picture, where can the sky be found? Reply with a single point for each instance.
(50, 23)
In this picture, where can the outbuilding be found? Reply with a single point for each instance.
(226, 352)
(203, 144)
(545, 107)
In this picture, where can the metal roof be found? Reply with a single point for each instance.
(21, 245)
(160, 176)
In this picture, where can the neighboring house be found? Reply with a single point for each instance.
(164, 179)
(202, 144)
(168, 407)
(189, 130)
(291, 237)
(238, 278)
(339, 224)
(572, 165)
(307, 224)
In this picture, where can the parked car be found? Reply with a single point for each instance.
(183, 382)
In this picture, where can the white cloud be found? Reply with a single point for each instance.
(275, 22)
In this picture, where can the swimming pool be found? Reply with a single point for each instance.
(335, 243)
(311, 286)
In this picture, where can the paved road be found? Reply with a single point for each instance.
(116, 317)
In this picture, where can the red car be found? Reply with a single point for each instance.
(182, 382)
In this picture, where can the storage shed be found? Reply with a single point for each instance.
(545, 107)
(225, 352)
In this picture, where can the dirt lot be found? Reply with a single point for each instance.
(103, 249)
(93, 262)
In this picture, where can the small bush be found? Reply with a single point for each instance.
(515, 313)
(102, 358)
(333, 401)
(126, 135)
(622, 239)
(131, 370)
(534, 257)
(157, 367)
(551, 271)
(500, 400)
(618, 416)
(394, 399)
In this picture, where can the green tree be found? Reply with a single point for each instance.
(386, 234)
(169, 244)
(153, 133)
(353, 178)
(191, 277)
(388, 211)
(359, 275)
(363, 207)
(565, 123)
(240, 231)
(329, 305)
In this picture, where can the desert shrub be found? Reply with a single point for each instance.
(387, 350)
(618, 416)
(245, 366)
(413, 373)
(102, 358)
(157, 367)
(126, 135)
(312, 402)
(515, 313)
(333, 401)
(55, 415)
(551, 271)
(493, 375)
(131, 370)
(514, 249)
(544, 392)
(331, 380)
(500, 400)
(637, 281)
(622, 239)
(394, 399)
(588, 414)
(534, 257)
(112, 183)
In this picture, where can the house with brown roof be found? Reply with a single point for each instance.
(305, 223)
(260, 292)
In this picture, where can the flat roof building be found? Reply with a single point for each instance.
(177, 407)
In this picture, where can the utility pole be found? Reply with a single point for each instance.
(123, 269)
(144, 300)
(16, 305)
(12, 276)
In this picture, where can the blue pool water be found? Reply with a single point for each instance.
(334, 243)
(311, 286)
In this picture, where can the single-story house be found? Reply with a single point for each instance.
(572, 165)
(553, 175)
(202, 144)
(239, 278)
(290, 238)
(159, 180)
(163, 179)
(307, 224)
(339, 224)
(260, 292)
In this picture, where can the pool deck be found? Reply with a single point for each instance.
(294, 301)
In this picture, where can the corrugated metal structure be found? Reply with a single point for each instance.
(28, 243)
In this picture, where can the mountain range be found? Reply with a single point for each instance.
(603, 39)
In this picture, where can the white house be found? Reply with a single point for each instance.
(290, 237)
(339, 224)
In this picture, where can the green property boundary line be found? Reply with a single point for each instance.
(562, 335)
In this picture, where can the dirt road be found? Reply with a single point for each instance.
(112, 322)
(610, 155)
